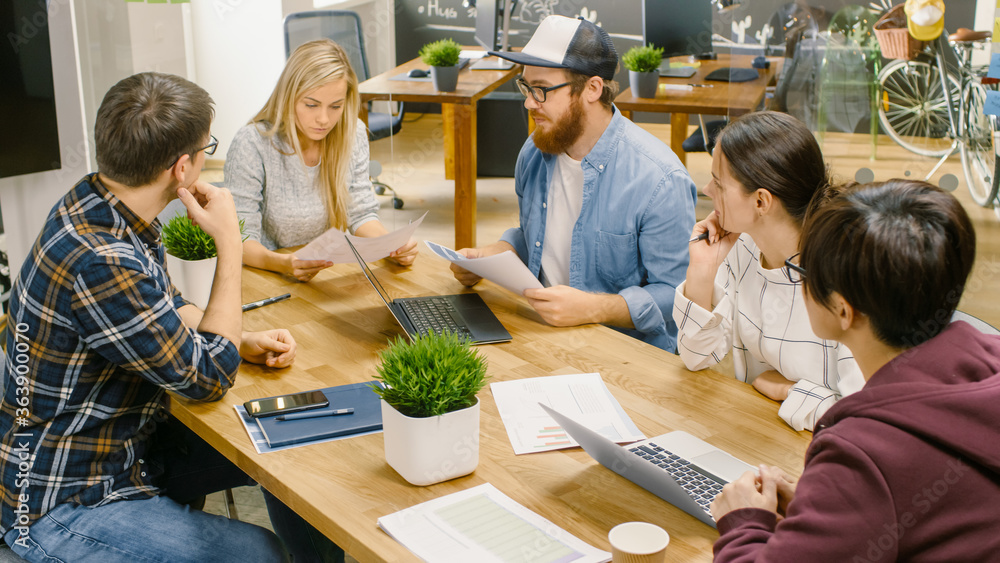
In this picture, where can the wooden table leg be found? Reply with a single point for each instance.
(464, 135)
(678, 132)
(448, 123)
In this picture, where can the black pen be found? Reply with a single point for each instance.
(314, 414)
(702, 236)
(262, 302)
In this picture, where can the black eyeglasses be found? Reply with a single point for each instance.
(794, 272)
(537, 93)
(209, 150)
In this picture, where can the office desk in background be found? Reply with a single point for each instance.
(343, 487)
(723, 98)
(458, 112)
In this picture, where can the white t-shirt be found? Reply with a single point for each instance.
(565, 199)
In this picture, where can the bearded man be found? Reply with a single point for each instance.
(606, 209)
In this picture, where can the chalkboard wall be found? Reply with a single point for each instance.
(421, 21)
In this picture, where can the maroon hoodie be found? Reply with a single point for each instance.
(907, 469)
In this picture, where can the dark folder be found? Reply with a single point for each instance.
(367, 417)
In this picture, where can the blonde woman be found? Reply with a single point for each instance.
(301, 165)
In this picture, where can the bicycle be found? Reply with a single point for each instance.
(933, 107)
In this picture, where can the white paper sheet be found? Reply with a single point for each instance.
(504, 269)
(332, 245)
(484, 525)
(583, 397)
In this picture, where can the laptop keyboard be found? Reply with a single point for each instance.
(434, 315)
(702, 486)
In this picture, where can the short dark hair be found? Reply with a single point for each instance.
(577, 81)
(899, 252)
(147, 121)
(775, 152)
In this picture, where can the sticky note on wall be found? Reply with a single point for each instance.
(996, 25)
(992, 104)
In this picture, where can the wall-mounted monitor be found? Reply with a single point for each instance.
(680, 27)
(29, 135)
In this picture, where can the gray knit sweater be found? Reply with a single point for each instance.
(277, 195)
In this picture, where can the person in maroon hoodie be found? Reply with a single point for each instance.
(908, 468)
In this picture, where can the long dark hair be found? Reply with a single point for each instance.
(775, 152)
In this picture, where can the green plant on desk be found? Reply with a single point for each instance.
(187, 241)
(643, 59)
(430, 375)
(440, 53)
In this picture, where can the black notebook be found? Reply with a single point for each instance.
(367, 417)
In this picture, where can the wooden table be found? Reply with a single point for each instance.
(723, 98)
(458, 112)
(343, 487)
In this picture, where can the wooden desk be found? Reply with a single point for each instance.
(458, 111)
(343, 487)
(723, 98)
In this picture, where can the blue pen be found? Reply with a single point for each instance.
(314, 414)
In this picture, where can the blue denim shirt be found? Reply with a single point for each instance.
(632, 234)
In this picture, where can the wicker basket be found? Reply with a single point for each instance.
(894, 38)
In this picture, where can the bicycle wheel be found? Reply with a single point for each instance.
(979, 157)
(912, 107)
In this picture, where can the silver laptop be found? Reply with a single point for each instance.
(465, 314)
(683, 470)
(667, 71)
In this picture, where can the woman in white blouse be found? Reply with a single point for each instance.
(301, 165)
(766, 168)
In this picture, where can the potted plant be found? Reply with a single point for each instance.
(442, 57)
(191, 258)
(430, 412)
(643, 65)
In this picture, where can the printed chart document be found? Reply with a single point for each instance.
(583, 397)
(484, 525)
(504, 269)
(332, 245)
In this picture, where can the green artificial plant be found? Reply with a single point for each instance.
(440, 53)
(430, 375)
(643, 59)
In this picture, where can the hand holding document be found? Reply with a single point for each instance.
(504, 269)
(332, 245)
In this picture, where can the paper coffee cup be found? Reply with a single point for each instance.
(638, 542)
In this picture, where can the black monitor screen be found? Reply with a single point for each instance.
(487, 21)
(680, 27)
(29, 137)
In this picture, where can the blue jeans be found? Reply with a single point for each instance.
(164, 529)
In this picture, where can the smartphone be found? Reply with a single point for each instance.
(282, 404)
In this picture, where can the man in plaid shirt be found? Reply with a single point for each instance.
(93, 468)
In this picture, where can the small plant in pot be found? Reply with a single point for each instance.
(191, 258)
(442, 57)
(643, 65)
(430, 412)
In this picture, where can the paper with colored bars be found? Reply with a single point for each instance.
(583, 397)
(484, 525)
(332, 245)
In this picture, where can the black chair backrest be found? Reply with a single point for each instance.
(342, 26)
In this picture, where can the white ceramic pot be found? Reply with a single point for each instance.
(430, 450)
(192, 278)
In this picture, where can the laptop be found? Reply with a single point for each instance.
(683, 470)
(465, 314)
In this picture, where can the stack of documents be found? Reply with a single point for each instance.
(482, 524)
(583, 397)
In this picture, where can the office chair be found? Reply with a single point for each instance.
(979, 324)
(344, 28)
